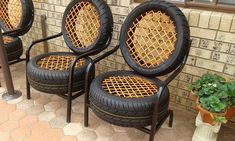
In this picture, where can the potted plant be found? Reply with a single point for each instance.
(230, 87)
(205, 81)
(212, 100)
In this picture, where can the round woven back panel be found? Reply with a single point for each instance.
(83, 24)
(7, 39)
(58, 63)
(151, 39)
(129, 86)
(11, 13)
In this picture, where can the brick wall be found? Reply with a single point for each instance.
(213, 47)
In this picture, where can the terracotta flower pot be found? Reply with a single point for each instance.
(207, 116)
(230, 113)
(193, 96)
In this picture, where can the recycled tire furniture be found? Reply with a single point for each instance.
(87, 27)
(154, 41)
(16, 19)
(14, 47)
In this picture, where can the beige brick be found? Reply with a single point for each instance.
(186, 12)
(125, 3)
(60, 9)
(195, 41)
(215, 20)
(225, 22)
(203, 33)
(229, 69)
(191, 60)
(211, 65)
(120, 10)
(226, 37)
(233, 25)
(194, 70)
(204, 19)
(200, 52)
(194, 17)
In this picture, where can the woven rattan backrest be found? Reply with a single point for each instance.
(151, 39)
(11, 13)
(58, 63)
(83, 24)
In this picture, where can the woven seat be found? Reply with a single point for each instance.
(58, 63)
(129, 86)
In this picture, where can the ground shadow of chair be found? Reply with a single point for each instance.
(16, 19)
(87, 30)
(154, 41)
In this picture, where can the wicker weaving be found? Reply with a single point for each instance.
(151, 39)
(83, 24)
(11, 13)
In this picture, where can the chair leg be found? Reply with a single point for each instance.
(69, 109)
(153, 130)
(171, 114)
(28, 89)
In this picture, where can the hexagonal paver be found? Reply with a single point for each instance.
(72, 129)
(104, 130)
(35, 110)
(17, 115)
(39, 128)
(25, 104)
(7, 109)
(119, 128)
(3, 118)
(46, 116)
(62, 111)
(58, 122)
(20, 134)
(5, 136)
(136, 134)
(52, 106)
(68, 138)
(28, 120)
(103, 139)
(93, 122)
(53, 135)
(87, 135)
(9, 126)
(78, 108)
(120, 137)
(42, 100)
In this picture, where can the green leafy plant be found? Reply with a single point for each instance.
(215, 94)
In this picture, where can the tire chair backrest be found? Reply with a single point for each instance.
(87, 25)
(155, 38)
(16, 14)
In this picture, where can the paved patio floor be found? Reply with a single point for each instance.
(43, 119)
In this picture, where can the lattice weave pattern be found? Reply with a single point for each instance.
(83, 24)
(7, 39)
(58, 63)
(151, 39)
(11, 13)
(129, 86)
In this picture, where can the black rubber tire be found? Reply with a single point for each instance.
(55, 82)
(14, 49)
(106, 22)
(182, 43)
(26, 19)
(135, 112)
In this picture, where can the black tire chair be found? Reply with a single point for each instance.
(16, 19)
(87, 27)
(154, 41)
